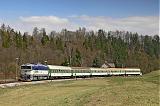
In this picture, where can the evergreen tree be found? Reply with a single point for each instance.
(65, 63)
(78, 58)
(18, 40)
(148, 45)
(156, 46)
(25, 41)
(6, 39)
(35, 32)
(96, 62)
(59, 44)
(44, 38)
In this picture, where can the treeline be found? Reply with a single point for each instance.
(78, 48)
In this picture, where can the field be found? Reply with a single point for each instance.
(109, 91)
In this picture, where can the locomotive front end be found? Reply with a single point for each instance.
(25, 74)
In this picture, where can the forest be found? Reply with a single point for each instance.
(78, 48)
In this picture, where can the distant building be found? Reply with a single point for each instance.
(108, 65)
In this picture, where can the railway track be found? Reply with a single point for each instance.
(7, 81)
(19, 83)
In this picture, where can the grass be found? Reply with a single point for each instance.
(109, 91)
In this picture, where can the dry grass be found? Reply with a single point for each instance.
(110, 91)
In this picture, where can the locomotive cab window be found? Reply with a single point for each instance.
(25, 67)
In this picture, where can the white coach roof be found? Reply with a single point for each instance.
(59, 67)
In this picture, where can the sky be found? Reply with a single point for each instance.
(140, 16)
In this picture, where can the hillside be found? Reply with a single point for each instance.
(77, 48)
(153, 77)
(109, 91)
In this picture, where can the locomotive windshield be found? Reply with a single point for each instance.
(25, 67)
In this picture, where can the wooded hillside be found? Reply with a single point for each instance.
(78, 48)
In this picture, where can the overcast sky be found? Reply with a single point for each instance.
(140, 16)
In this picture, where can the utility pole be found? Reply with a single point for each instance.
(17, 59)
(5, 73)
(45, 62)
(70, 56)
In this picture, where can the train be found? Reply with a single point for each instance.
(30, 72)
